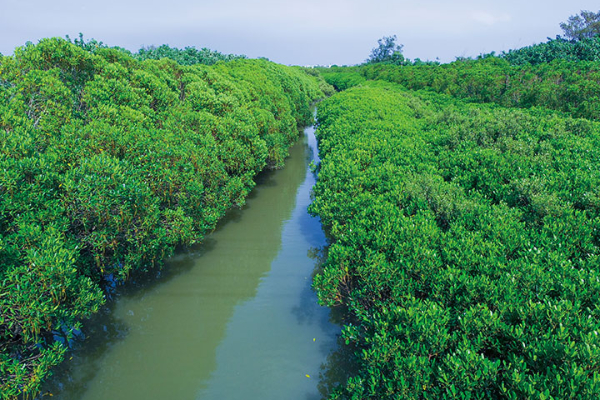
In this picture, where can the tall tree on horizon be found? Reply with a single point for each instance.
(387, 51)
(584, 25)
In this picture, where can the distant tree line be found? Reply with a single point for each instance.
(581, 42)
(186, 56)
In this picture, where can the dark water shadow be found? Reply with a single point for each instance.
(340, 361)
(103, 330)
(337, 369)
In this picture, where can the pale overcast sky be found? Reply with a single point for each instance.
(301, 32)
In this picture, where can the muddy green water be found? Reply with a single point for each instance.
(234, 318)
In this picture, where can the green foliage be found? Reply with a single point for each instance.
(187, 56)
(91, 45)
(107, 163)
(571, 87)
(342, 78)
(465, 245)
(586, 49)
(326, 87)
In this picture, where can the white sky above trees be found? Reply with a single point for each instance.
(301, 32)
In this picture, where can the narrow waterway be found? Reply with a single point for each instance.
(234, 318)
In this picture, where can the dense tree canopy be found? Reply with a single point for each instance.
(586, 49)
(465, 246)
(187, 56)
(572, 87)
